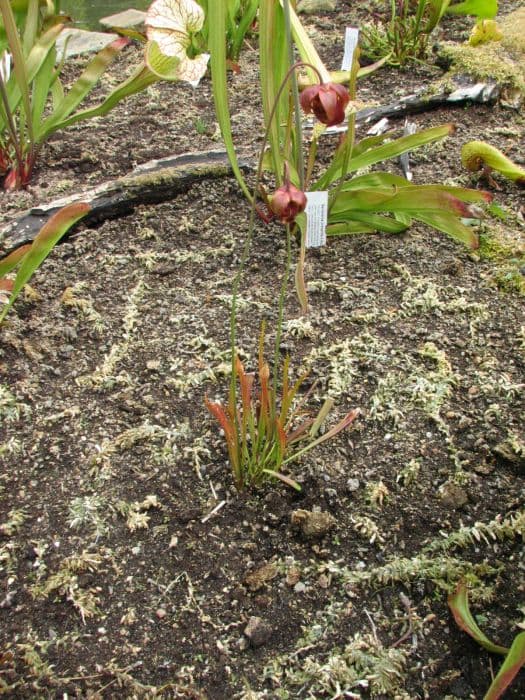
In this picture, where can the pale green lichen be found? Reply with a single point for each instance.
(11, 409)
(104, 376)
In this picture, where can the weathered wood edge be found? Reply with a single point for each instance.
(150, 183)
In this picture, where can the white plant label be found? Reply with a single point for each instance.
(316, 218)
(351, 39)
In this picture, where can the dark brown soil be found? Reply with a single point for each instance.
(129, 565)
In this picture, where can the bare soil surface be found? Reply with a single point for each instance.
(129, 565)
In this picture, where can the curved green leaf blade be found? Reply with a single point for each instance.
(484, 9)
(451, 225)
(514, 660)
(384, 152)
(458, 604)
(138, 81)
(43, 244)
(365, 222)
(82, 87)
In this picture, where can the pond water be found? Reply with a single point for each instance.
(86, 13)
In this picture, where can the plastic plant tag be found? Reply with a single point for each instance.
(351, 39)
(316, 218)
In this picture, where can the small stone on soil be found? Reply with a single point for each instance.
(453, 495)
(257, 631)
(312, 524)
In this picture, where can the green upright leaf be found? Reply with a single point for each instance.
(34, 63)
(19, 63)
(458, 604)
(245, 22)
(43, 244)
(217, 12)
(273, 62)
(41, 88)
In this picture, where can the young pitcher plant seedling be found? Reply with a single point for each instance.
(29, 257)
(262, 431)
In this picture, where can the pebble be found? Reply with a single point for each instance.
(312, 524)
(352, 485)
(257, 631)
(452, 495)
(160, 613)
(299, 587)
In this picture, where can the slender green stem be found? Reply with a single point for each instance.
(11, 124)
(251, 226)
(253, 208)
(282, 299)
(299, 159)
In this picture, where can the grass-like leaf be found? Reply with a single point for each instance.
(458, 604)
(216, 20)
(43, 244)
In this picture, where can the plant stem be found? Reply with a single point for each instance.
(298, 145)
(282, 298)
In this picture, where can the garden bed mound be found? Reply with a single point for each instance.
(129, 565)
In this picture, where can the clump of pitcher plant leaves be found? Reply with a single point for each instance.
(357, 203)
(265, 428)
(33, 101)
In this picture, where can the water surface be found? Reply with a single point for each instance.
(87, 13)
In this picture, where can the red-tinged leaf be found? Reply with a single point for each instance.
(281, 436)
(451, 225)
(225, 422)
(11, 261)
(347, 420)
(233, 66)
(266, 406)
(43, 244)
(383, 152)
(300, 431)
(246, 382)
(458, 604)
(409, 199)
(6, 285)
(282, 477)
(342, 425)
(514, 660)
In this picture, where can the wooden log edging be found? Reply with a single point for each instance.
(150, 183)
